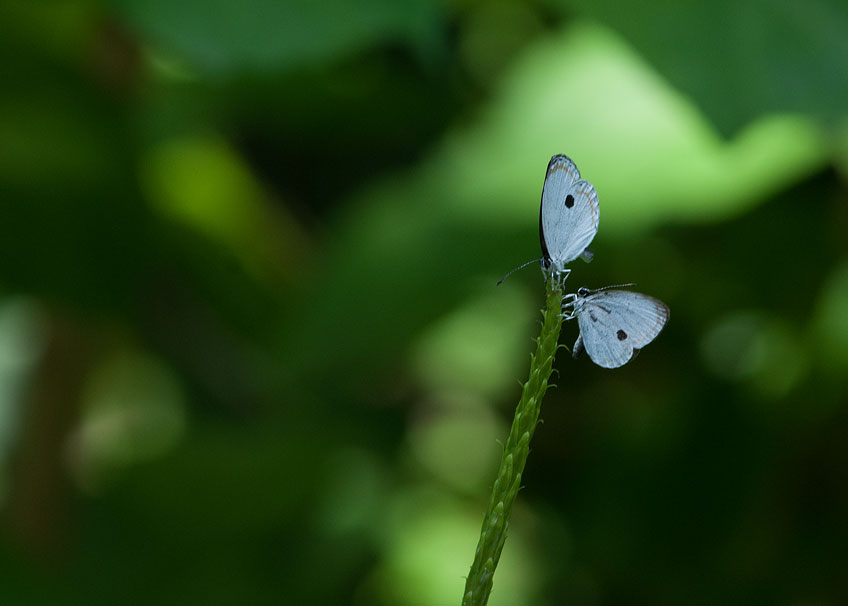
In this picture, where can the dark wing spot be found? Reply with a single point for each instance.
(593, 316)
(569, 201)
(621, 335)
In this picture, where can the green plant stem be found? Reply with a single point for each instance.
(478, 585)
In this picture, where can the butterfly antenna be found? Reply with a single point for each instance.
(628, 284)
(516, 269)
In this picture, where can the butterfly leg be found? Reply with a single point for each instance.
(568, 301)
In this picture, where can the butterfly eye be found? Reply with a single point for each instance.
(582, 291)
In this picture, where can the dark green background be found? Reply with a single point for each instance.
(251, 347)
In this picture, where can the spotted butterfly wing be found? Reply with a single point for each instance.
(616, 324)
(568, 216)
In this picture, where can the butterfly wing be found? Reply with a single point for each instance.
(568, 216)
(615, 324)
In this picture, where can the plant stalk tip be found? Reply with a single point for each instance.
(505, 489)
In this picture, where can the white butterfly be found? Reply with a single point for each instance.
(568, 218)
(614, 324)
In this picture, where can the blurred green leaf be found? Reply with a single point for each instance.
(649, 151)
(224, 38)
(228, 205)
(740, 60)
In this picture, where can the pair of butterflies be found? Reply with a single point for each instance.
(614, 324)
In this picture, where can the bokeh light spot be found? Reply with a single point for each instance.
(134, 411)
(478, 346)
(756, 348)
(456, 442)
(831, 322)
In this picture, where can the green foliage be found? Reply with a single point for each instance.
(251, 347)
(223, 38)
(739, 60)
